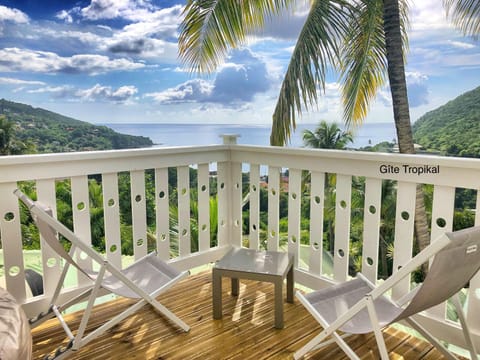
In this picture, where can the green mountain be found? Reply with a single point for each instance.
(452, 129)
(52, 132)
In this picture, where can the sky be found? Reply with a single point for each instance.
(116, 61)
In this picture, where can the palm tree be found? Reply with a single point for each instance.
(327, 136)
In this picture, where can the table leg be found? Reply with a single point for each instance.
(290, 285)
(217, 293)
(235, 286)
(278, 297)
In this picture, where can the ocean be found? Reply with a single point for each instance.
(207, 134)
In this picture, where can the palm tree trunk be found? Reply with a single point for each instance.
(401, 112)
(383, 258)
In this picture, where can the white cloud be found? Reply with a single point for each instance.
(15, 59)
(57, 92)
(106, 93)
(463, 60)
(97, 93)
(85, 38)
(461, 44)
(152, 37)
(428, 16)
(160, 23)
(436, 46)
(13, 15)
(237, 82)
(133, 10)
(196, 90)
(65, 16)
(12, 81)
(287, 25)
(147, 48)
(150, 33)
(417, 89)
(105, 9)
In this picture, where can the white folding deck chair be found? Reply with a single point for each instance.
(359, 307)
(144, 280)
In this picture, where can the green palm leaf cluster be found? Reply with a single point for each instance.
(327, 136)
(317, 48)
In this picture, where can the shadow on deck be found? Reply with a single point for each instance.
(245, 332)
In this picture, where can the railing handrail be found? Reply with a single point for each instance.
(399, 158)
(235, 153)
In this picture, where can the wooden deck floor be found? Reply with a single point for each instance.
(245, 332)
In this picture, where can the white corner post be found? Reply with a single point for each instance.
(230, 198)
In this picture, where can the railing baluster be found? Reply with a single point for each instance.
(139, 220)
(236, 188)
(442, 221)
(371, 228)
(162, 214)
(203, 207)
(294, 217)
(223, 196)
(404, 226)
(81, 220)
(51, 261)
(184, 235)
(12, 249)
(317, 201)
(342, 227)
(111, 213)
(254, 202)
(273, 207)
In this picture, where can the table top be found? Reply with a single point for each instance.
(255, 261)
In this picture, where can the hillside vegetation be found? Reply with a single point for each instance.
(452, 129)
(51, 132)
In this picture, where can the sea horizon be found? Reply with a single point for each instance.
(184, 134)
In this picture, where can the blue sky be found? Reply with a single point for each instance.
(107, 61)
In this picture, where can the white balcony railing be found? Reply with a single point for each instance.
(241, 170)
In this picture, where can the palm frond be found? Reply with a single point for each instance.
(465, 15)
(317, 47)
(364, 66)
(211, 27)
(364, 61)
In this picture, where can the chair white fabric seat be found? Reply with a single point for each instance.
(149, 273)
(334, 301)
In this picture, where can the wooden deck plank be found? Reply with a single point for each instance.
(246, 330)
